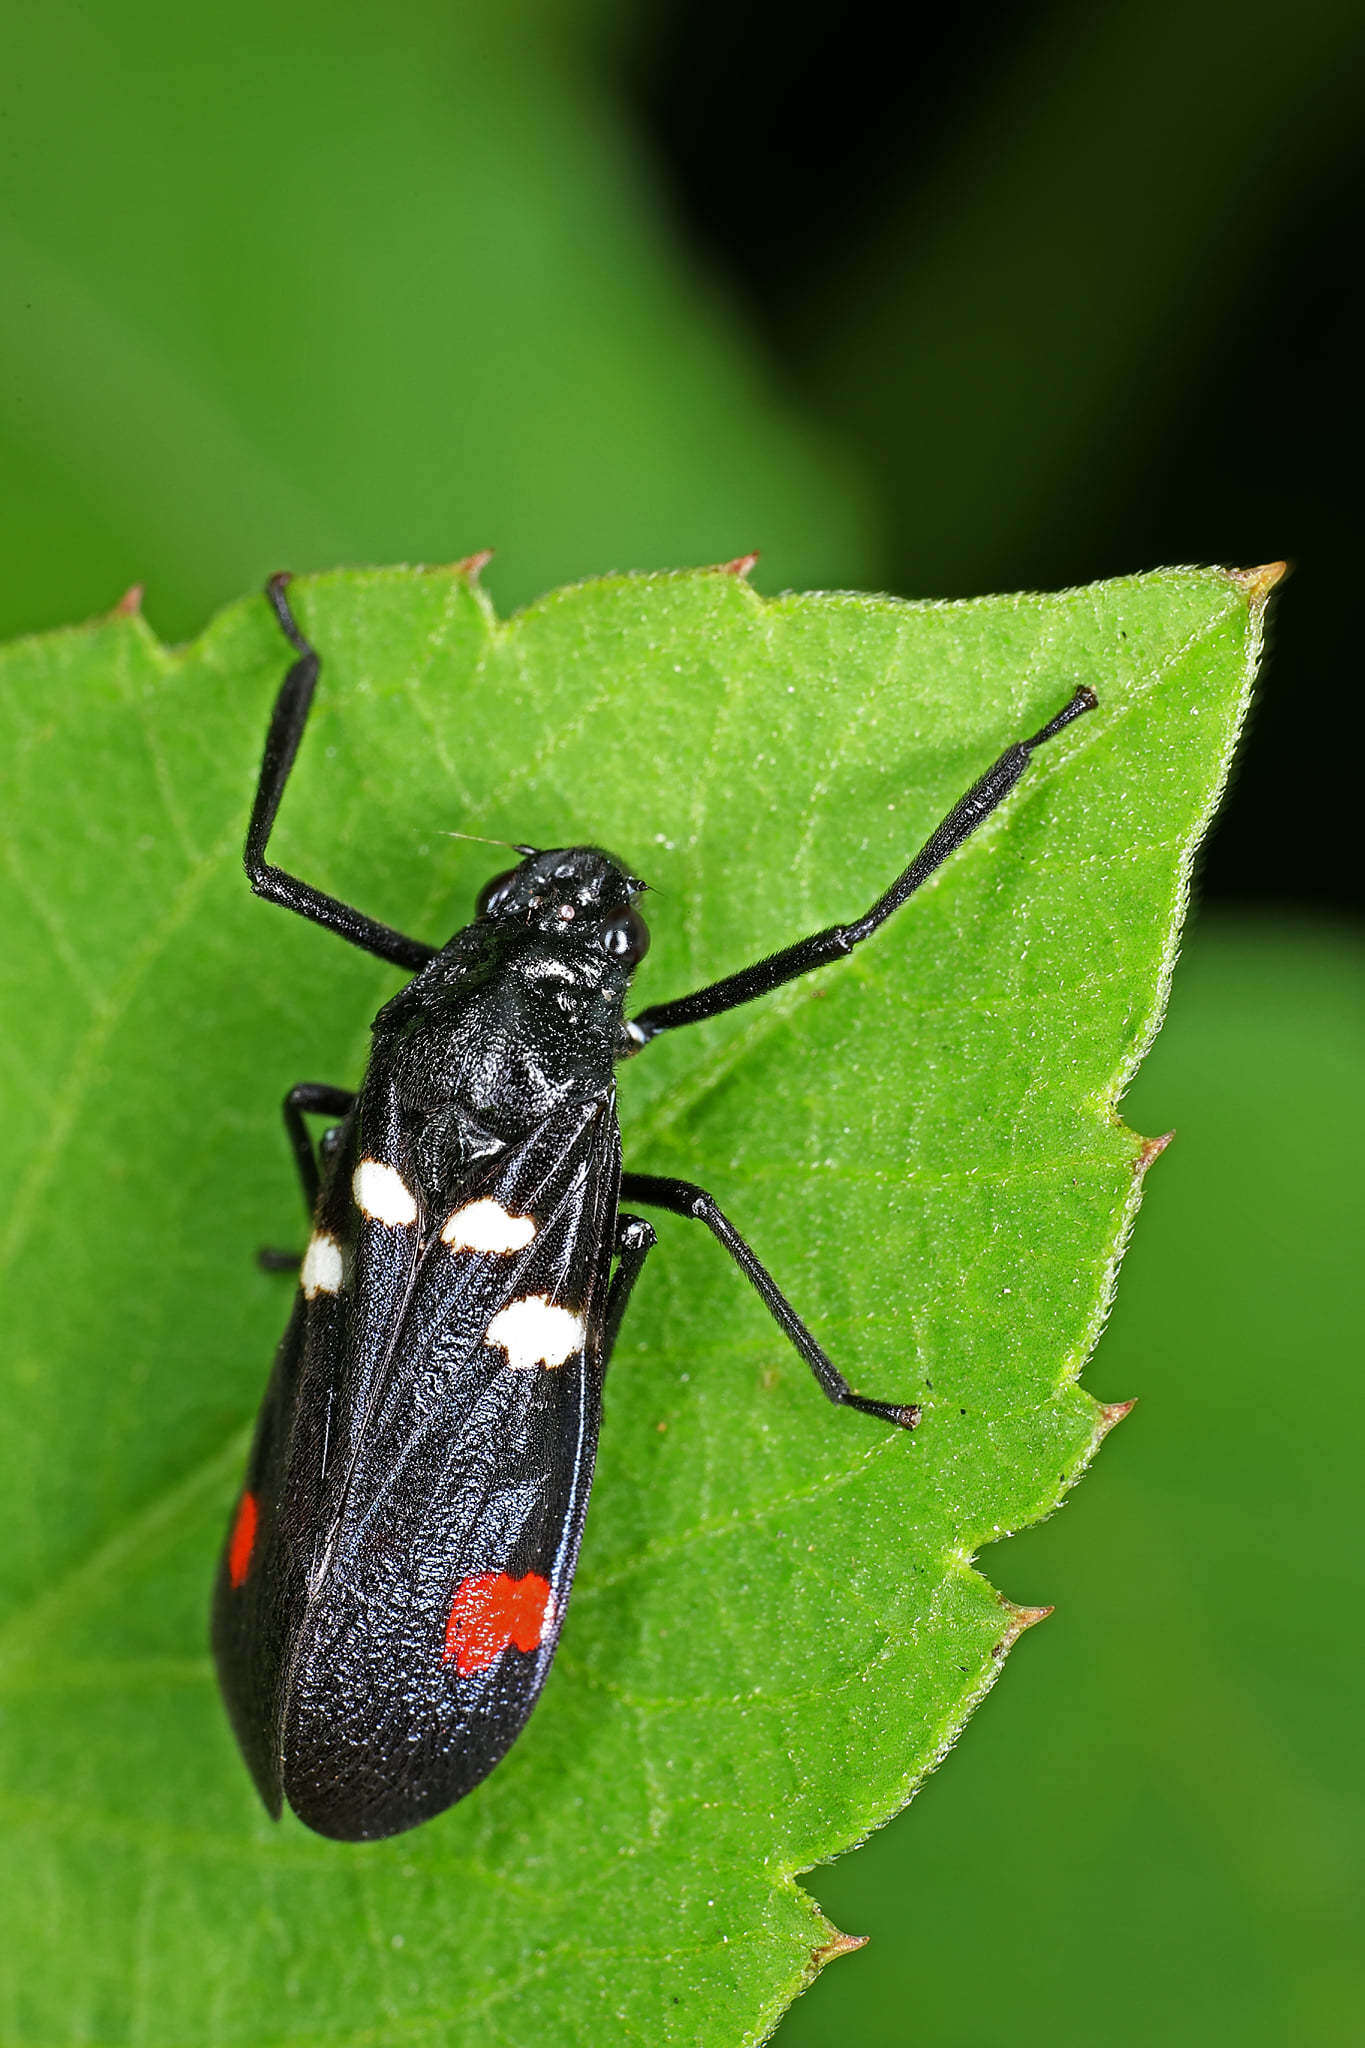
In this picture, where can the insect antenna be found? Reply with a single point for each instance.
(526, 852)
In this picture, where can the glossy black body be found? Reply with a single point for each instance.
(406, 1451)
(396, 1453)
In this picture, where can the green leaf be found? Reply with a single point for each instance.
(334, 289)
(778, 1627)
(1181, 1759)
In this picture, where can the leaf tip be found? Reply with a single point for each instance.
(740, 566)
(1257, 584)
(837, 1945)
(129, 605)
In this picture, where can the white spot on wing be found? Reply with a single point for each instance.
(536, 1331)
(382, 1194)
(485, 1226)
(320, 1272)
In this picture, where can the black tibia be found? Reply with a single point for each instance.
(321, 1100)
(840, 939)
(685, 1199)
(287, 722)
(635, 1240)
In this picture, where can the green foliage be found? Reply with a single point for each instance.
(308, 285)
(777, 1628)
(1183, 1859)
(1125, 182)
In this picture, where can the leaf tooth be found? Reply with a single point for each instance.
(740, 566)
(472, 566)
(1152, 1148)
(1258, 583)
(1111, 1413)
(837, 1945)
(129, 605)
(1020, 1618)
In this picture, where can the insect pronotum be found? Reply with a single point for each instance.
(397, 1567)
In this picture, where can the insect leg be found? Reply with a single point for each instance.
(287, 722)
(271, 1259)
(321, 1100)
(635, 1240)
(840, 939)
(685, 1199)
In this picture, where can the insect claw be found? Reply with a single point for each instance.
(1084, 700)
(275, 587)
(903, 1414)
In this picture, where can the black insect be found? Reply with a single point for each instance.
(396, 1573)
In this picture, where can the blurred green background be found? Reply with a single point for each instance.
(923, 302)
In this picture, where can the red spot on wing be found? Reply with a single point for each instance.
(490, 1611)
(242, 1541)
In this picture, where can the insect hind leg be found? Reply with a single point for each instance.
(684, 1198)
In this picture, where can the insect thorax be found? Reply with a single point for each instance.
(502, 1028)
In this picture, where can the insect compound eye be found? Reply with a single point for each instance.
(626, 937)
(494, 894)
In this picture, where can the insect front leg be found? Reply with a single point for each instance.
(838, 940)
(287, 722)
(683, 1198)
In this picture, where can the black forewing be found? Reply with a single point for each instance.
(401, 1456)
